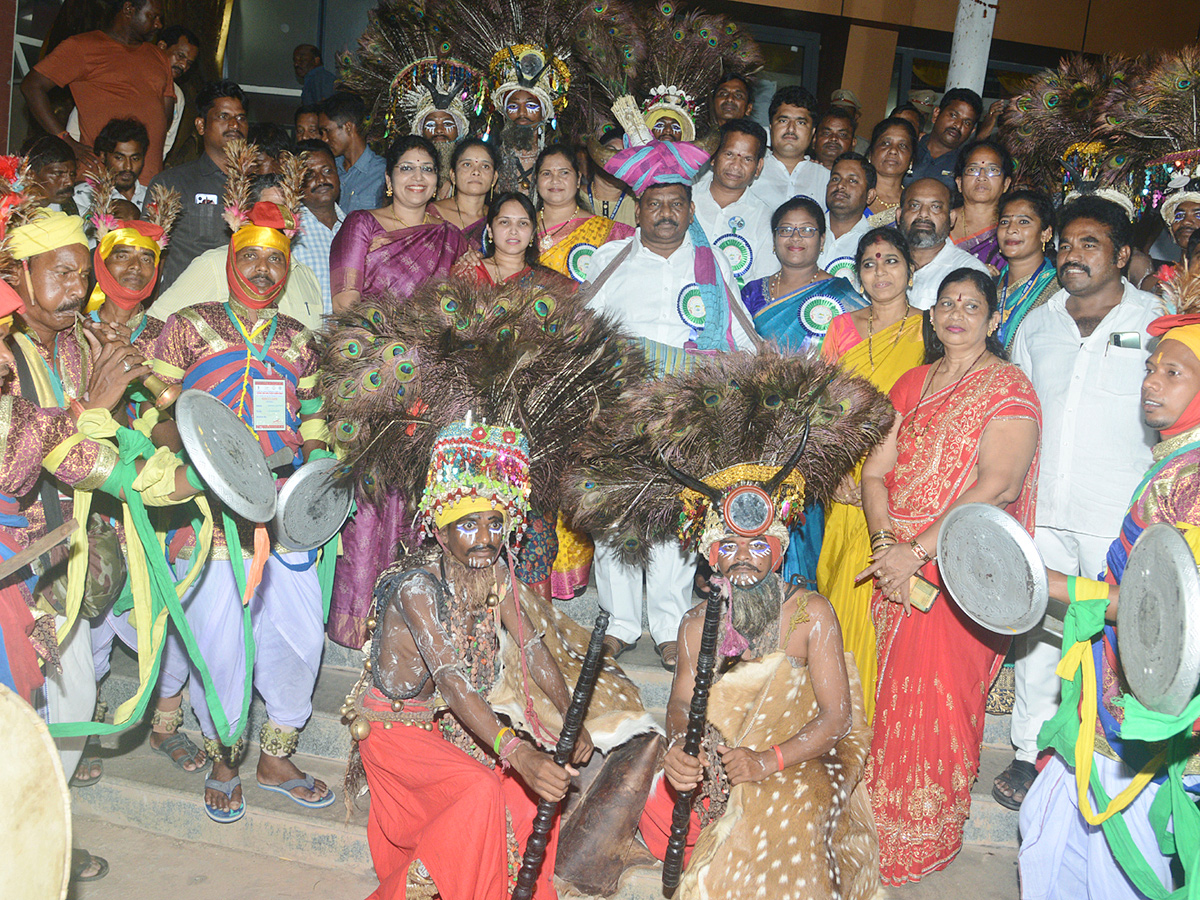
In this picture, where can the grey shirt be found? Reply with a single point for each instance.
(201, 184)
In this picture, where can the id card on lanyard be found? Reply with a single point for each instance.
(270, 402)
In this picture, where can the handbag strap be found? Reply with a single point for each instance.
(49, 493)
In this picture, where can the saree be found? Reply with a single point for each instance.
(935, 668)
(984, 246)
(800, 319)
(847, 545)
(1018, 300)
(572, 253)
(367, 258)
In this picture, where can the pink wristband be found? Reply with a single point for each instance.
(778, 755)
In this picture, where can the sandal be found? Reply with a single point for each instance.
(668, 651)
(308, 783)
(1018, 778)
(87, 764)
(224, 816)
(81, 861)
(615, 646)
(178, 748)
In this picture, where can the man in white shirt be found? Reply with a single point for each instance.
(1085, 351)
(851, 190)
(320, 216)
(668, 287)
(925, 222)
(736, 222)
(786, 172)
(121, 148)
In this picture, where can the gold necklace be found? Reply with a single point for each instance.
(871, 332)
(929, 421)
(547, 240)
(773, 284)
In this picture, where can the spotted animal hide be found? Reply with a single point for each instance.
(807, 832)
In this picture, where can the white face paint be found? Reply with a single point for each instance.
(477, 543)
(746, 572)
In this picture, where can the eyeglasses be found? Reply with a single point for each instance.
(989, 171)
(408, 169)
(786, 231)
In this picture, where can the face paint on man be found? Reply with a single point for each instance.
(475, 540)
(744, 561)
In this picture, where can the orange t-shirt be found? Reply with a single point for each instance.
(112, 81)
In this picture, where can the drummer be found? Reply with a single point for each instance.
(1061, 855)
(263, 365)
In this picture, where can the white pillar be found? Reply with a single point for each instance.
(972, 42)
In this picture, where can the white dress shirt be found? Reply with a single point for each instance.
(643, 291)
(747, 218)
(928, 278)
(83, 200)
(775, 183)
(1095, 447)
(837, 255)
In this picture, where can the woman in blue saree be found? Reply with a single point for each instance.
(795, 305)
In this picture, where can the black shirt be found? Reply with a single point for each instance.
(200, 227)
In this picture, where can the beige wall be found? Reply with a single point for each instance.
(1095, 26)
(870, 55)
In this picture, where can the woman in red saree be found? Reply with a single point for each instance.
(966, 431)
(391, 251)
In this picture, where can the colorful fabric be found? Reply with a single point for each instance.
(266, 228)
(847, 545)
(799, 320)
(137, 233)
(1189, 336)
(10, 301)
(705, 302)
(535, 554)
(573, 562)
(379, 263)
(656, 163)
(1017, 300)
(48, 230)
(431, 801)
(573, 249)
(935, 667)
(984, 246)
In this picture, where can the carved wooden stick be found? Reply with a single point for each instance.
(535, 847)
(706, 664)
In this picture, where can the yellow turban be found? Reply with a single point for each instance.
(452, 512)
(1188, 335)
(48, 231)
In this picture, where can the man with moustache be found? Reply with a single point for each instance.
(786, 173)
(733, 98)
(851, 190)
(263, 365)
(735, 222)
(668, 288)
(936, 154)
(1085, 351)
(121, 146)
(52, 172)
(834, 135)
(320, 216)
(1062, 855)
(924, 220)
(361, 169)
(221, 108)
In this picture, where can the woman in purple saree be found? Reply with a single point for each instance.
(382, 256)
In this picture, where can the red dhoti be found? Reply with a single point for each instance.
(431, 801)
(656, 820)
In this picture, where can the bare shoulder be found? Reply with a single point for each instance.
(804, 614)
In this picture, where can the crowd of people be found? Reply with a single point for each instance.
(843, 340)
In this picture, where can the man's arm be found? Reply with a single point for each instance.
(683, 771)
(36, 89)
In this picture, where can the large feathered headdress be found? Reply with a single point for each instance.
(739, 444)
(393, 374)
(405, 69)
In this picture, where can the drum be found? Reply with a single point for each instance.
(35, 829)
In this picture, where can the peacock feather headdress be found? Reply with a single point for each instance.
(740, 443)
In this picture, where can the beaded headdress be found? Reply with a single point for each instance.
(771, 431)
(476, 467)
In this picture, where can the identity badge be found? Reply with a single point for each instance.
(270, 404)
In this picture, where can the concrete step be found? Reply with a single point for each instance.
(990, 824)
(143, 789)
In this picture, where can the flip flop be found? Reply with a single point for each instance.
(307, 782)
(615, 646)
(224, 816)
(88, 763)
(180, 741)
(80, 860)
(668, 652)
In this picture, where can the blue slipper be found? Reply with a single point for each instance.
(224, 816)
(307, 782)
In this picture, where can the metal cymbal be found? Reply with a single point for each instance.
(227, 455)
(990, 566)
(1158, 620)
(312, 505)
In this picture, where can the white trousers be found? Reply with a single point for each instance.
(71, 694)
(669, 579)
(1037, 652)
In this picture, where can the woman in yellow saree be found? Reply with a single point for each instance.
(880, 342)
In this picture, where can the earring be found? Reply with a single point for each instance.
(387, 186)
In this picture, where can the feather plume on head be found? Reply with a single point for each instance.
(736, 421)
(393, 374)
(238, 187)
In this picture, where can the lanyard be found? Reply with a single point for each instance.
(251, 353)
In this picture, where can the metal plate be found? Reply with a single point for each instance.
(1158, 620)
(226, 454)
(312, 506)
(992, 569)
